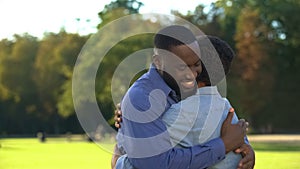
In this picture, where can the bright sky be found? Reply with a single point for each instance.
(39, 16)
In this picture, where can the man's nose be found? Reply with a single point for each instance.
(196, 70)
(192, 72)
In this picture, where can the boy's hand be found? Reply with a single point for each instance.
(118, 116)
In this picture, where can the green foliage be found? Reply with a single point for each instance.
(117, 9)
(32, 75)
(20, 57)
(6, 47)
(110, 63)
(53, 67)
(36, 76)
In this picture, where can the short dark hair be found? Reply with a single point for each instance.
(226, 55)
(173, 35)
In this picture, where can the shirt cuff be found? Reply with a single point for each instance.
(208, 154)
(218, 147)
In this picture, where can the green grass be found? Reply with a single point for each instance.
(277, 155)
(54, 154)
(60, 154)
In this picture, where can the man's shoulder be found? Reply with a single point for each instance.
(141, 88)
(150, 84)
(227, 102)
(143, 96)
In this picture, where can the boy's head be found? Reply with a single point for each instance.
(225, 53)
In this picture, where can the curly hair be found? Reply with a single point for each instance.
(225, 53)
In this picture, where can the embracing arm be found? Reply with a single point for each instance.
(115, 157)
(247, 152)
(200, 156)
(155, 151)
(248, 160)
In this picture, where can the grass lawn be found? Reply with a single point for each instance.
(54, 154)
(278, 155)
(60, 154)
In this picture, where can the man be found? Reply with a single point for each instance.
(143, 136)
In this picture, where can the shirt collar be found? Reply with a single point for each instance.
(208, 90)
(158, 81)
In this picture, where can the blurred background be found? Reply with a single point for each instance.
(41, 40)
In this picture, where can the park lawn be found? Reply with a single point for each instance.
(61, 154)
(54, 154)
(279, 155)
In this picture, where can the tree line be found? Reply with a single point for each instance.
(36, 74)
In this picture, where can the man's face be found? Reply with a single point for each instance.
(182, 66)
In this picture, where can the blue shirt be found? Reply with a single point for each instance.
(199, 118)
(144, 136)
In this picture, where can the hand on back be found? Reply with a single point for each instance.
(233, 134)
(118, 116)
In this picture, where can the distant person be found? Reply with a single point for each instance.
(41, 136)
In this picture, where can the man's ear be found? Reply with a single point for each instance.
(157, 60)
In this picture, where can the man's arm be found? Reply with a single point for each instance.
(247, 152)
(248, 160)
(200, 156)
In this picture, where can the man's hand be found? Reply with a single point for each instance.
(118, 116)
(248, 160)
(233, 134)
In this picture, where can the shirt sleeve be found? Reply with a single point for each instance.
(147, 142)
(200, 156)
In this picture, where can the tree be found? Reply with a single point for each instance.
(278, 15)
(5, 52)
(16, 81)
(253, 67)
(69, 54)
(117, 9)
(54, 63)
(273, 48)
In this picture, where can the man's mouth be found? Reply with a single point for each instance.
(188, 84)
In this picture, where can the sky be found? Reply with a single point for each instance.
(36, 17)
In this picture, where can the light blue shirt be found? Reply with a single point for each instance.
(198, 119)
(144, 136)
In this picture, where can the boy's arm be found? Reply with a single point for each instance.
(115, 157)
